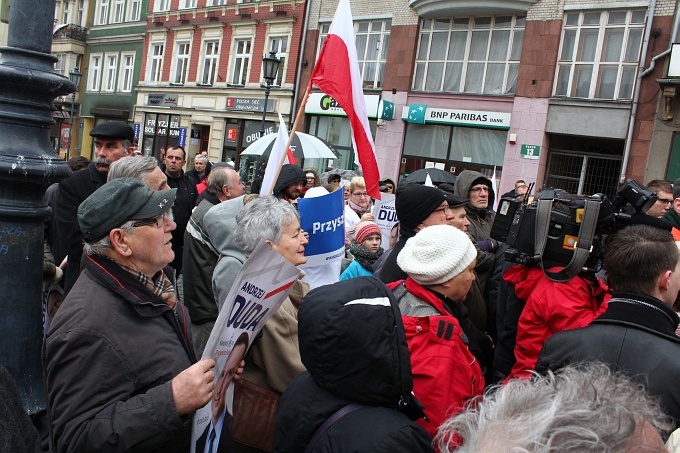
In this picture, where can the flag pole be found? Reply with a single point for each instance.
(291, 134)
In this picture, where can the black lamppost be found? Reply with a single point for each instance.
(28, 165)
(75, 76)
(270, 68)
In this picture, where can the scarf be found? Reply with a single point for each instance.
(358, 209)
(159, 285)
(365, 257)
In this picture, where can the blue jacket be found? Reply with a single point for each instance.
(355, 270)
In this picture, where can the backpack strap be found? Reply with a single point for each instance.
(330, 422)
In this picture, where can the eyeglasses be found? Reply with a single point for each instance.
(480, 189)
(445, 209)
(155, 221)
(360, 194)
(389, 188)
(665, 200)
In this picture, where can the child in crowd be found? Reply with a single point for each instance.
(366, 250)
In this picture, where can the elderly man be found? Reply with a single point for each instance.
(112, 141)
(118, 355)
(200, 255)
(201, 169)
(175, 158)
(144, 168)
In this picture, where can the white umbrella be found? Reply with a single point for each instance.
(304, 146)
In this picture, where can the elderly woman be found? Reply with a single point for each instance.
(275, 358)
(358, 207)
(439, 261)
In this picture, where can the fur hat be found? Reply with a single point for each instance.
(436, 254)
(364, 230)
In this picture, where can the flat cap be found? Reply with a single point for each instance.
(114, 129)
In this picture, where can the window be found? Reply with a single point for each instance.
(127, 67)
(210, 62)
(66, 13)
(110, 70)
(156, 66)
(81, 12)
(102, 13)
(181, 62)
(187, 4)
(599, 54)
(469, 54)
(135, 9)
(60, 64)
(118, 11)
(280, 46)
(95, 71)
(161, 5)
(217, 2)
(241, 62)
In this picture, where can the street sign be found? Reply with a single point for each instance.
(530, 151)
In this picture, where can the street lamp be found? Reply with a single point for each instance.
(270, 67)
(75, 75)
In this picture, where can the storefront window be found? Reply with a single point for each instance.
(160, 132)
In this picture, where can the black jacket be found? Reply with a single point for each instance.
(635, 335)
(73, 191)
(354, 352)
(110, 355)
(185, 200)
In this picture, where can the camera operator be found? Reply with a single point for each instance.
(636, 334)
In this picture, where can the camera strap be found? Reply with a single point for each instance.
(582, 247)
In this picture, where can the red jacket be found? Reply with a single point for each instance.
(550, 307)
(445, 374)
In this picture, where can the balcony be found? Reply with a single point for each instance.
(70, 31)
(461, 8)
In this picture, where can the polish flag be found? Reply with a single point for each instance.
(337, 74)
(273, 169)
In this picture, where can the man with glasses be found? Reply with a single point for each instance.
(673, 214)
(664, 191)
(119, 365)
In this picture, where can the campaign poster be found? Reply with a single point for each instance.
(386, 217)
(324, 219)
(257, 293)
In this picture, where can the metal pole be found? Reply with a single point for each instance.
(70, 126)
(267, 90)
(28, 165)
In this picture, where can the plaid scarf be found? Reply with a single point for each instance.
(159, 285)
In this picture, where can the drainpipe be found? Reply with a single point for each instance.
(636, 93)
(293, 111)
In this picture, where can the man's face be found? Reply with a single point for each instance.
(460, 219)
(293, 191)
(174, 161)
(226, 376)
(440, 216)
(156, 180)
(662, 205)
(479, 196)
(199, 165)
(521, 188)
(107, 151)
(237, 185)
(150, 244)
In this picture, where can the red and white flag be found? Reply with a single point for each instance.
(276, 156)
(337, 74)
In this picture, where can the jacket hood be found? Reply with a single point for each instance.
(524, 279)
(220, 224)
(289, 174)
(352, 342)
(467, 179)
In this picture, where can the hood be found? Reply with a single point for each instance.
(467, 179)
(352, 342)
(289, 174)
(220, 224)
(524, 279)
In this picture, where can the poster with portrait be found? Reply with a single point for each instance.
(258, 291)
(386, 217)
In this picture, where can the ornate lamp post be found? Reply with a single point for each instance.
(75, 76)
(28, 165)
(270, 68)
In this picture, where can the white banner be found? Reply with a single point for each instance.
(386, 217)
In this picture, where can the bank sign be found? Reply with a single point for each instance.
(323, 104)
(422, 114)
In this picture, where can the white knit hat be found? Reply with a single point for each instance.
(436, 254)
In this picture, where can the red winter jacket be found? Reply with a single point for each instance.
(445, 374)
(550, 307)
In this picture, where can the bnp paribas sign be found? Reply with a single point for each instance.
(422, 114)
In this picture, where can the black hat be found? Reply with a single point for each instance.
(114, 129)
(454, 200)
(414, 203)
(118, 201)
(289, 174)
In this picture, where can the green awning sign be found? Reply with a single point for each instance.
(530, 151)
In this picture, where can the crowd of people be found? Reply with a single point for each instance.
(433, 342)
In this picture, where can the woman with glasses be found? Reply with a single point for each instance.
(358, 207)
(387, 185)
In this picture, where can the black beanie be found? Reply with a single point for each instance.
(414, 203)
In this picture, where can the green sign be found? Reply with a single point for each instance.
(530, 151)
